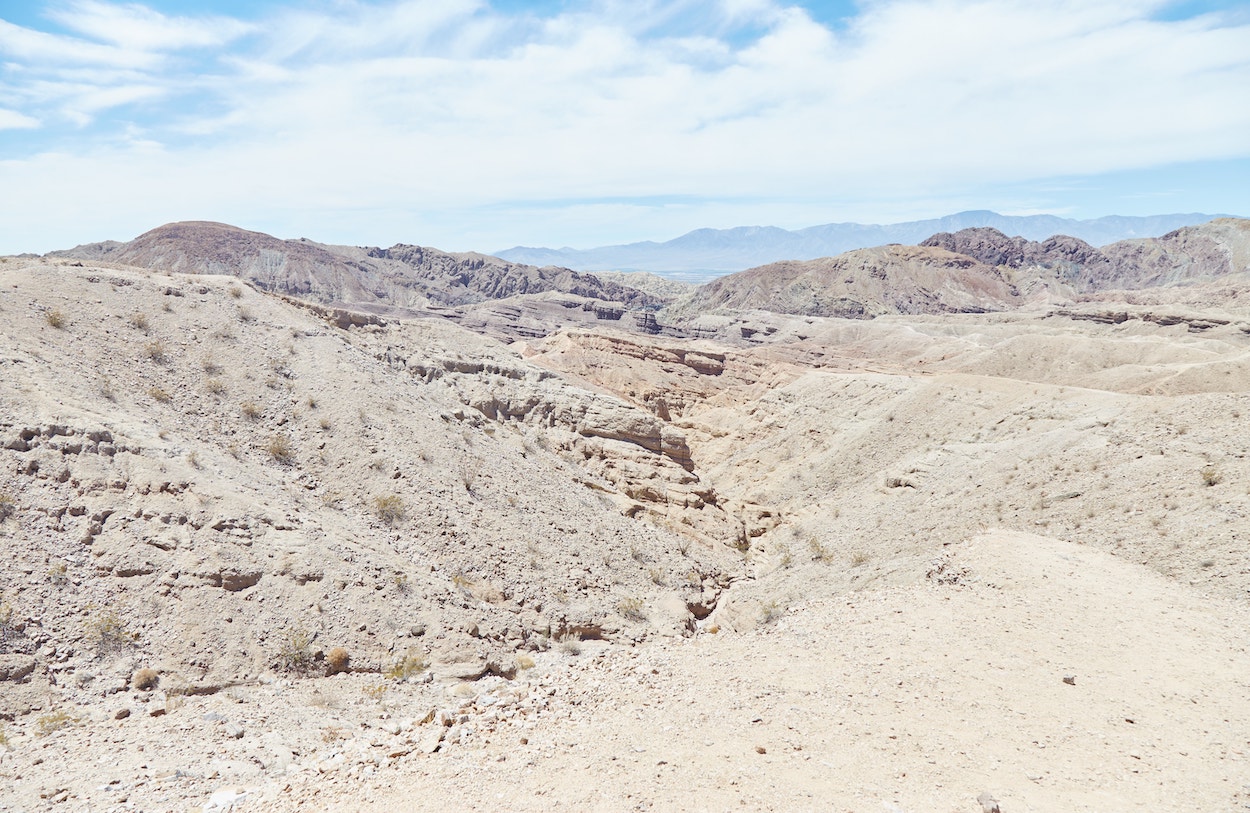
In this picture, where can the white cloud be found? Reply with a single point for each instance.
(12, 120)
(409, 110)
(135, 27)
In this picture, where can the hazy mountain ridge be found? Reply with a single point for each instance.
(402, 276)
(718, 251)
(975, 270)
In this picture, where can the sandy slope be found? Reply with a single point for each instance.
(914, 697)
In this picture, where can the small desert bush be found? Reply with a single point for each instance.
(337, 660)
(375, 691)
(771, 611)
(859, 557)
(570, 642)
(211, 366)
(145, 679)
(524, 662)
(55, 318)
(58, 574)
(235, 291)
(295, 650)
(107, 630)
(245, 315)
(631, 608)
(54, 721)
(159, 395)
(280, 450)
(139, 321)
(156, 352)
(215, 386)
(390, 508)
(1211, 476)
(250, 410)
(8, 505)
(406, 666)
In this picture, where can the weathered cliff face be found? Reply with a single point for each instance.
(641, 456)
(860, 285)
(402, 276)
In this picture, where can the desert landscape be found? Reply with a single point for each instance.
(954, 526)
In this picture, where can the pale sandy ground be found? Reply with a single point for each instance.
(897, 698)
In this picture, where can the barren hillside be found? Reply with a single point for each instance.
(340, 560)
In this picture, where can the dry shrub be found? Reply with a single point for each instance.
(390, 508)
(281, 450)
(145, 680)
(55, 318)
(156, 352)
(337, 660)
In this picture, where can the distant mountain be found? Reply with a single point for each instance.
(971, 271)
(400, 276)
(707, 253)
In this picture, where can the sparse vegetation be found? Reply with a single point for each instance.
(250, 409)
(107, 631)
(139, 321)
(281, 450)
(58, 575)
(337, 660)
(771, 611)
(407, 665)
(8, 505)
(860, 558)
(295, 650)
(235, 291)
(390, 509)
(1211, 476)
(54, 721)
(159, 395)
(470, 467)
(145, 680)
(55, 318)
(155, 351)
(631, 608)
(215, 386)
(569, 642)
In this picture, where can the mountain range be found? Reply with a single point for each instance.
(707, 253)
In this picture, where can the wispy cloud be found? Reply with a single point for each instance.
(138, 28)
(408, 111)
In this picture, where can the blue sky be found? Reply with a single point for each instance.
(468, 124)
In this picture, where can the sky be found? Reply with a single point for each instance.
(485, 124)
